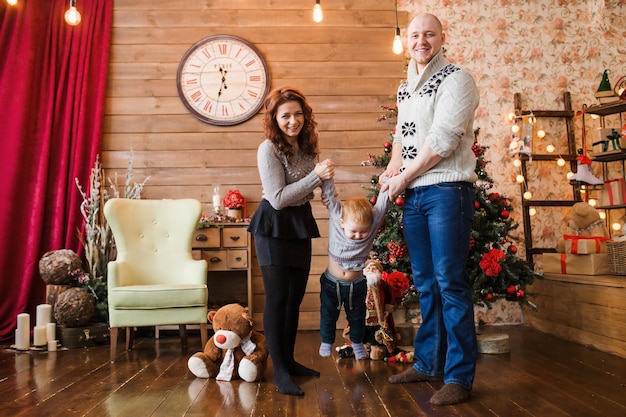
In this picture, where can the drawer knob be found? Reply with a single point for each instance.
(234, 238)
(238, 259)
(215, 260)
(201, 238)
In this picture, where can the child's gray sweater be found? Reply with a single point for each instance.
(350, 254)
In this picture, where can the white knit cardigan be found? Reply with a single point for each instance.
(437, 107)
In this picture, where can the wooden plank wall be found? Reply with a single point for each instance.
(587, 309)
(344, 65)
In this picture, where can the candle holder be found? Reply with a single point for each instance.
(217, 199)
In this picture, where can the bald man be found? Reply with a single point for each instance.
(433, 163)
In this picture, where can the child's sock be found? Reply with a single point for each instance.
(359, 351)
(325, 349)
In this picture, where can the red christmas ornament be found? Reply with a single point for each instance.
(399, 201)
(512, 249)
(476, 205)
(510, 289)
(494, 196)
(504, 214)
(387, 145)
(489, 297)
(373, 200)
(519, 293)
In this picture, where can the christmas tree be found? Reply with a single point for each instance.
(496, 271)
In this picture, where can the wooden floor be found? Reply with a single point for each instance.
(542, 376)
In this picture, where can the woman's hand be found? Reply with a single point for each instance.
(325, 170)
(393, 167)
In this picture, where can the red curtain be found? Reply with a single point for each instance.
(52, 97)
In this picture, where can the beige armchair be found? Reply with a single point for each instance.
(154, 280)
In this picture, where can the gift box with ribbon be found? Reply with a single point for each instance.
(567, 263)
(583, 245)
(613, 192)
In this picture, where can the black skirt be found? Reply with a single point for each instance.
(283, 237)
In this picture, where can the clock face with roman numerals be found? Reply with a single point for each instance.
(223, 80)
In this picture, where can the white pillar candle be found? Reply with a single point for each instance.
(23, 321)
(44, 312)
(51, 331)
(39, 336)
(22, 339)
(22, 334)
(52, 345)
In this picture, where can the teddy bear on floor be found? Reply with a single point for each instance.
(584, 220)
(236, 350)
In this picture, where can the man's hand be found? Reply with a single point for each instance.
(396, 186)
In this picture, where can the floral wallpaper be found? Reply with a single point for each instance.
(540, 49)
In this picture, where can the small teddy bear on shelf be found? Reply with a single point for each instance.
(236, 350)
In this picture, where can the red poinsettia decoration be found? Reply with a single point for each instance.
(397, 281)
(490, 262)
(234, 200)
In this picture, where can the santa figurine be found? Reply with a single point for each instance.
(379, 303)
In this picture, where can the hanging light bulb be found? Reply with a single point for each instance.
(592, 202)
(519, 178)
(532, 211)
(541, 133)
(72, 16)
(515, 128)
(550, 148)
(602, 215)
(528, 195)
(318, 14)
(517, 163)
(616, 226)
(12, 2)
(397, 42)
(511, 116)
(560, 162)
(569, 175)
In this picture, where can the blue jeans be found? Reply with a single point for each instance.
(437, 222)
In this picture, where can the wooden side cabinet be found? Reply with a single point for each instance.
(227, 249)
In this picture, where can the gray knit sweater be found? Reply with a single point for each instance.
(437, 107)
(350, 254)
(286, 184)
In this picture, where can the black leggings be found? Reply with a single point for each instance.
(284, 290)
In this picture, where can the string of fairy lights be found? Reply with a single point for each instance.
(521, 144)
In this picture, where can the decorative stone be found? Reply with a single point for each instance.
(55, 266)
(75, 307)
(52, 295)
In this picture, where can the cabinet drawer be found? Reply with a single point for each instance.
(237, 259)
(234, 237)
(216, 259)
(206, 238)
(224, 260)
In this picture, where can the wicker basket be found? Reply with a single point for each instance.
(617, 257)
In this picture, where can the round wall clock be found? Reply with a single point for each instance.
(223, 80)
